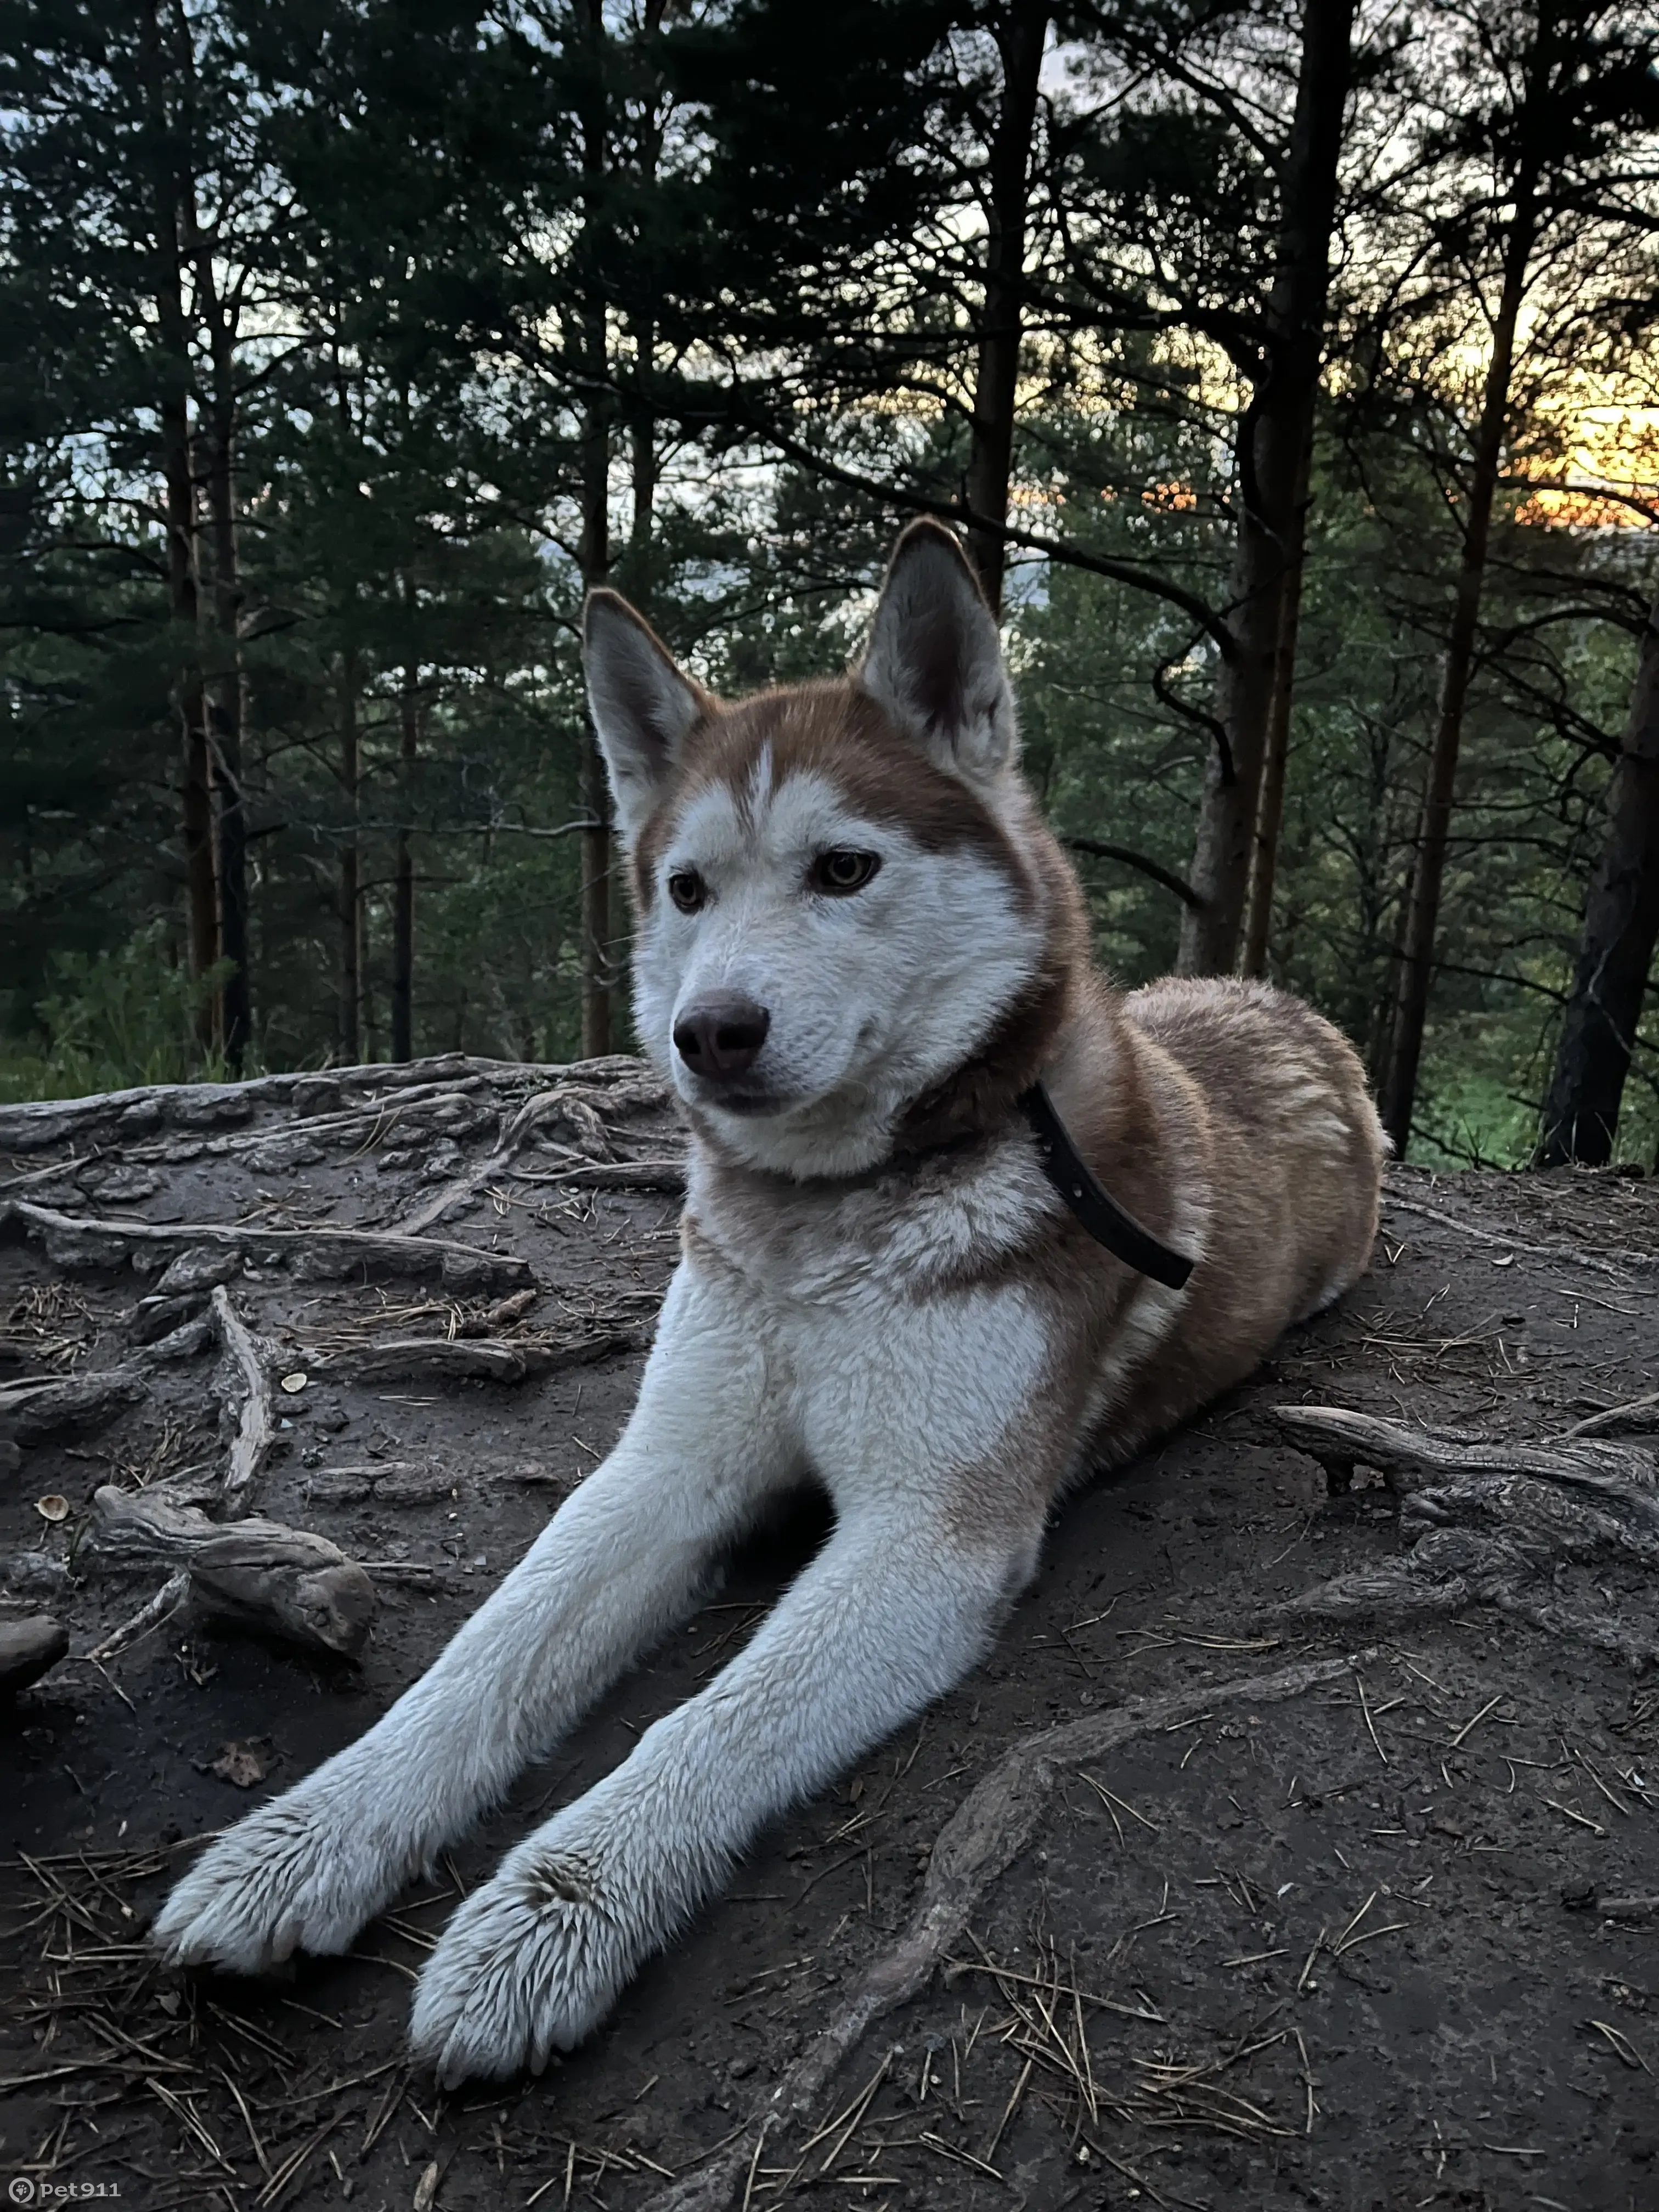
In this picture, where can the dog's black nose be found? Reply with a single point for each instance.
(721, 1035)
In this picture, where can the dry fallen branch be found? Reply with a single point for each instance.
(323, 1251)
(166, 1602)
(388, 1482)
(667, 1173)
(982, 1838)
(255, 1425)
(409, 1358)
(259, 1573)
(419, 1358)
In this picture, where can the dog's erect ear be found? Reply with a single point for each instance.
(935, 658)
(643, 707)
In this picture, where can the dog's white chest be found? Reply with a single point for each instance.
(913, 1392)
(905, 1352)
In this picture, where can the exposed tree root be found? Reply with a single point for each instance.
(30, 1412)
(259, 1573)
(584, 1108)
(419, 1358)
(322, 1252)
(36, 1125)
(1452, 1569)
(378, 1110)
(1616, 1416)
(1412, 1458)
(1489, 1522)
(980, 1840)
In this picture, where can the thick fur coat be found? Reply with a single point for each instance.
(857, 946)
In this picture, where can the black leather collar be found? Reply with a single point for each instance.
(1099, 1212)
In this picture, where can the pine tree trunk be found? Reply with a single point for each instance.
(594, 549)
(644, 463)
(351, 909)
(643, 470)
(403, 887)
(1273, 437)
(1416, 968)
(351, 1025)
(1615, 951)
(226, 712)
(1270, 807)
(595, 790)
(201, 889)
(178, 478)
(1021, 34)
(226, 700)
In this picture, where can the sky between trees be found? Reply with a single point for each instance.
(1289, 370)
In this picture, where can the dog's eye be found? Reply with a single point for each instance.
(840, 873)
(688, 890)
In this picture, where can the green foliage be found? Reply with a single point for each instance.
(114, 1019)
(760, 303)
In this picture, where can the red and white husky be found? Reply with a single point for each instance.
(858, 950)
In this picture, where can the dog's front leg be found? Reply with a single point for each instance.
(622, 1558)
(895, 1611)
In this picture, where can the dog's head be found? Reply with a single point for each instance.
(837, 904)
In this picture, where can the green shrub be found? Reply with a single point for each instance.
(115, 1019)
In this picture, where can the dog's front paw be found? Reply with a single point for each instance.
(302, 1873)
(527, 1966)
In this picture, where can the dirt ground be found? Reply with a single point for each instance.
(1389, 1938)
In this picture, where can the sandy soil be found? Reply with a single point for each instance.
(1360, 1946)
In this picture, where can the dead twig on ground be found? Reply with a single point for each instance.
(420, 1359)
(256, 1426)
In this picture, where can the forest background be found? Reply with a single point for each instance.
(1290, 370)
